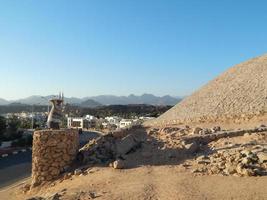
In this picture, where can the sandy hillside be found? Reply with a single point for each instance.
(238, 94)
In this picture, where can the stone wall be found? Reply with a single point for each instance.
(52, 151)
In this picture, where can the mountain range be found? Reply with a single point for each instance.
(96, 101)
(3, 102)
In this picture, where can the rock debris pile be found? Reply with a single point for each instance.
(109, 148)
(239, 163)
(233, 152)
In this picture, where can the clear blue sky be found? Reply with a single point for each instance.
(121, 47)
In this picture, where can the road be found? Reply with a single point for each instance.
(17, 167)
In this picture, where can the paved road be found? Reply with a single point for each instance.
(17, 167)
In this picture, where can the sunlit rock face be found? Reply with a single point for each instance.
(238, 94)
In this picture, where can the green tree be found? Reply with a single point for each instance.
(64, 123)
(22, 142)
(26, 123)
(13, 125)
(2, 127)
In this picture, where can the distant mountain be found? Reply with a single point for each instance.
(73, 100)
(133, 99)
(33, 100)
(110, 99)
(44, 100)
(99, 100)
(89, 103)
(3, 102)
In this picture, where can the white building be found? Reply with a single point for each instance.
(81, 122)
(75, 122)
(146, 118)
(114, 120)
(90, 117)
(105, 124)
(126, 123)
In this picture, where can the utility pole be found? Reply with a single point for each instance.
(32, 117)
(48, 107)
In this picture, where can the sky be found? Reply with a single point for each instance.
(123, 47)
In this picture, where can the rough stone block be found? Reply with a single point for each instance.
(52, 151)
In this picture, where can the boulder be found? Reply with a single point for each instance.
(26, 188)
(126, 144)
(230, 168)
(246, 161)
(170, 129)
(55, 196)
(191, 148)
(246, 152)
(204, 161)
(248, 172)
(196, 131)
(118, 164)
(247, 135)
(215, 169)
(262, 157)
(202, 157)
(241, 170)
(36, 198)
(205, 131)
(67, 176)
(216, 129)
(153, 131)
(77, 172)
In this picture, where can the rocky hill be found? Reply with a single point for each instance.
(134, 99)
(3, 102)
(240, 92)
(89, 103)
(101, 99)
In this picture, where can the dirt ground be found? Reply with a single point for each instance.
(152, 182)
(157, 170)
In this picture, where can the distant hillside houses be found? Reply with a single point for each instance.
(39, 116)
(86, 122)
(114, 120)
(127, 123)
(110, 122)
(117, 122)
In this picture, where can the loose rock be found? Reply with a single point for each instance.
(119, 164)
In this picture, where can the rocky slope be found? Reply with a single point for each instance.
(163, 163)
(240, 92)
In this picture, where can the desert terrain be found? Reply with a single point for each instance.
(212, 145)
(165, 167)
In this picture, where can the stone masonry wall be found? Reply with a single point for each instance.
(52, 151)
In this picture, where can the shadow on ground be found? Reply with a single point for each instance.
(149, 151)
